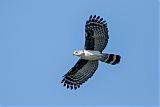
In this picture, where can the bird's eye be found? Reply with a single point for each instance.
(76, 52)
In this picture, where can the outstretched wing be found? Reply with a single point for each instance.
(96, 34)
(80, 73)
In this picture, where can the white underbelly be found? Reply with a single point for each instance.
(92, 55)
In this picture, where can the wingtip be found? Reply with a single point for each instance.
(90, 17)
(94, 16)
(96, 19)
(70, 85)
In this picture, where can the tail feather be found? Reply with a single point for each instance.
(111, 59)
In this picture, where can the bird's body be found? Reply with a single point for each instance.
(90, 55)
(96, 39)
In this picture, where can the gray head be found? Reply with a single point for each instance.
(78, 52)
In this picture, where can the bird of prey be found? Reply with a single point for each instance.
(96, 39)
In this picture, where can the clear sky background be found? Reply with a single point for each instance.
(38, 37)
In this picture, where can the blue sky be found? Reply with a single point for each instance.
(38, 37)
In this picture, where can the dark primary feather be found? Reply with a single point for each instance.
(96, 34)
(80, 73)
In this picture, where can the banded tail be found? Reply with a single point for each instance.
(111, 59)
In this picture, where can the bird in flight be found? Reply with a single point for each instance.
(96, 39)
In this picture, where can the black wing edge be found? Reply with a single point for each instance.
(68, 81)
(96, 19)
